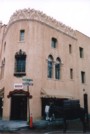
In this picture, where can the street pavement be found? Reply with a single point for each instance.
(11, 126)
(41, 127)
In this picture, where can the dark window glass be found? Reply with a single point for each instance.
(2, 68)
(22, 33)
(20, 63)
(81, 52)
(57, 71)
(83, 77)
(71, 73)
(54, 42)
(70, 48)
(50, 66)
(50, 69)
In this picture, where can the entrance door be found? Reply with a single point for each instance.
(18, 107)
(86, 105)
(1, 104)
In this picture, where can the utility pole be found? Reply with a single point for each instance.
(28, 82)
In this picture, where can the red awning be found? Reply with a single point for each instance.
(19, 92)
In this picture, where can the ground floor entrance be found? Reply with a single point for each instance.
(19, 104)
(18, 107)
(1, 104)
(55, 101)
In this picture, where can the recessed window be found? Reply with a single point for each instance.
(81, 52)
(20, 63)
(4, 46)
(2, 68)
(82, 77)
(70, 48)
(22, 34)
(53, 42)
(57, 68)
(71, 73)
(50, 66)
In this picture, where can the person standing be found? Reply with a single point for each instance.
(47, 108)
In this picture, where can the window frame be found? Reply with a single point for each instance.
(50, 66)
(19, 58)
(22, 35)
(83, 77)
(81, 52)
(71, 73)
(70, 48)
(53, 42)
(57, 68)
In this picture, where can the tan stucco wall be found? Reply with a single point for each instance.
(84, 65)
(37, 46)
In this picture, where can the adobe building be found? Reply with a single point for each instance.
(56, 57)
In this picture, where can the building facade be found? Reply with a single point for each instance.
(56, 57)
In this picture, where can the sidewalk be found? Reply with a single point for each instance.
(6, 125)
(11, 126)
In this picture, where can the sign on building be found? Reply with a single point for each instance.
(18, 86)
(27, 82)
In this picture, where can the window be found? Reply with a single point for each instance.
(71, 73)
(53, 42)
(82, 77)
(50, 66)
(57, 68)
(81, 52)
(4, 46)
(70, 48)
(22, 33)
(20, 63)
(3, 68)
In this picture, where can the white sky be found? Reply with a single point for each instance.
(73, 13)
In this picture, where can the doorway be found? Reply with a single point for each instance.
(55, 101)
(18, 107)
(86, 105)
(1, 104)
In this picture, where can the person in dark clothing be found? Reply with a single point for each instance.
(51, 112)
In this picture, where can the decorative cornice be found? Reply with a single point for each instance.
(31, 14)
(20, 54)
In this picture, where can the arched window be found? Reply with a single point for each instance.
(20, 63)
(57, 68)
(3, 68)
(50, 66)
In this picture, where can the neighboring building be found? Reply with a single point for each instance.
(56, 57)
